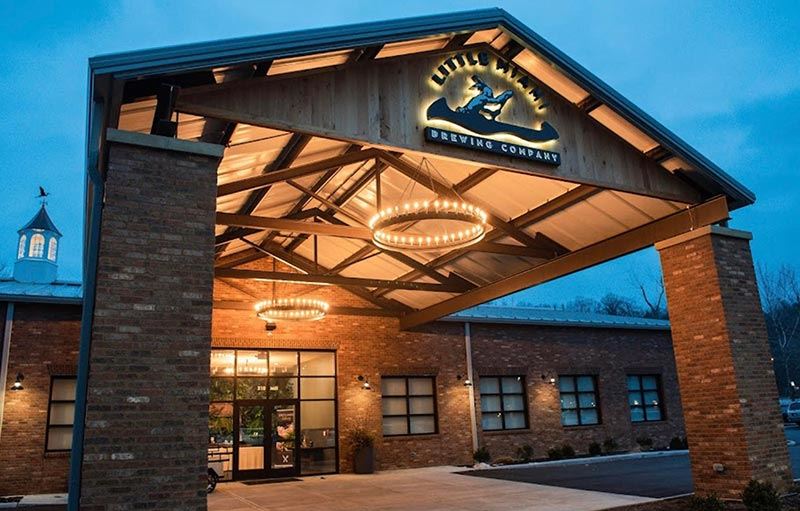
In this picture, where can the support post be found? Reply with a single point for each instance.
(727, 384)
(146, 412)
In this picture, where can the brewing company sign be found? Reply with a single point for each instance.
(477, 120)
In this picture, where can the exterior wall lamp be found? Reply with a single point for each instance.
(364, 382)
(467, 381)
(549, 378)
(18, 382)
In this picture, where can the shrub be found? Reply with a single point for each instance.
(646, 443)
(555, 453)
(482, 455)
(505, 460)
(360, 438)
(525, 453)
(708, 503)
(677, 444)
(758, 496)
(595, 449)
(609, 445)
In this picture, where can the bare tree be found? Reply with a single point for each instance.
(616, 305)
(651, 287)
(780, 295)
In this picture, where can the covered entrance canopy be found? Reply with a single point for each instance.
(310, 120)
(207, 158)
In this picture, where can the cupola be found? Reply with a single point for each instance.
(37, 249)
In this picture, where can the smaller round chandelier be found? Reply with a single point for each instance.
(455, 224)
(291, 309)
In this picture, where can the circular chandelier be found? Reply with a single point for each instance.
(457, 224)
(291, 309)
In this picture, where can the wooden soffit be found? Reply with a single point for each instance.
(384, 102)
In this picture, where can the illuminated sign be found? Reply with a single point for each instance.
(481, 110)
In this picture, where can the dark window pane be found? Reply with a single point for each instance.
(420, 386)
(221, 389)
(566, 384)
(586, 400)
(395, 426)
(633, 383)
(589, 417)
(653, 413)
(420, 405)
(490, 403)
(393, 386)
(514, 420)
(585, 383)
(637, 414)
(569, 417)
(569, 402)
(394, 406)
(423, 424)
(512, 385)
(283, 388)
(491, 421)
(251, 388)
(649, 382)
(317, 461)
(489, 385)
(513, 403)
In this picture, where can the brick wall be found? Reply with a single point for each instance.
(44, 342)
(373, 346)
(723, 360)
(147, 403)
(611, 354)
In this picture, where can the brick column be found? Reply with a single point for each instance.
(727, 384)
(147, 401)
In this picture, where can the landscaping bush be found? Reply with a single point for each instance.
(482, 455)
(525, 453)
(609, 445)
(555, 454)
(646, 443)
(709, 503)
(567, 451)
(758, 496)
(678, 444)
(505, 460)
(595, 449)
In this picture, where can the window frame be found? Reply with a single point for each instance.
(579, 408)
(524, 395)
(408, 413)
(659, 391)
(36, 249)
(50, 402)
(22, 246)
(52, 249)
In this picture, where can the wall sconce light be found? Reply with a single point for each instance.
(467, 381)
(549, 378)
(364, 382)
(18, 382)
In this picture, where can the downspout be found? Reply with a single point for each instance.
(4, 366)
(94, 184)
(473, 424)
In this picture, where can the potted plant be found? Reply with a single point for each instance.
(363, 445)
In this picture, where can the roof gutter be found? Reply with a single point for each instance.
(546, 322)
(95, 186)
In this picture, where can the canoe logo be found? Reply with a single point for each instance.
(481, 111)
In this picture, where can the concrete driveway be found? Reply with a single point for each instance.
(431, 489)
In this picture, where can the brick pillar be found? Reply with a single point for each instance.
(727, 384)
(147, 401)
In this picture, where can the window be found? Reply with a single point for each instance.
(409, 405)
(37, 246)
(61, 413)
(644, 397)
(52, 248)
(578, 400)
(21, 249)
(503, 403)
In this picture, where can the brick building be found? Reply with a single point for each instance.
(522, 361)
(378, 178)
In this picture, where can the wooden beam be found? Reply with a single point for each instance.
(531, 217)
(284, 224)
(334, 310)
(513, 250)
(474, 179)
(295, 172)
(335, 280)
(707, 213)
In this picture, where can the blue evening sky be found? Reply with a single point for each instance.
(724, 75)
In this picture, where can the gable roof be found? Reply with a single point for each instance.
(191, 57)
(55, 292)
(41, 221)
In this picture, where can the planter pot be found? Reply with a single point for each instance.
(364, 461)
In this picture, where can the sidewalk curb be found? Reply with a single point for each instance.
(589, 460)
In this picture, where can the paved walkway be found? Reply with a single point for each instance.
(431, 489)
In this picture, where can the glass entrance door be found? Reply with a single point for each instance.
(264, 445)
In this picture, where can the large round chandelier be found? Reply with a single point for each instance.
(444, 223)
(454, 224)
(291, 309)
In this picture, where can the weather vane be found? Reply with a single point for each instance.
(42, 195)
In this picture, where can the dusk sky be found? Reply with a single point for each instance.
(724, 76)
